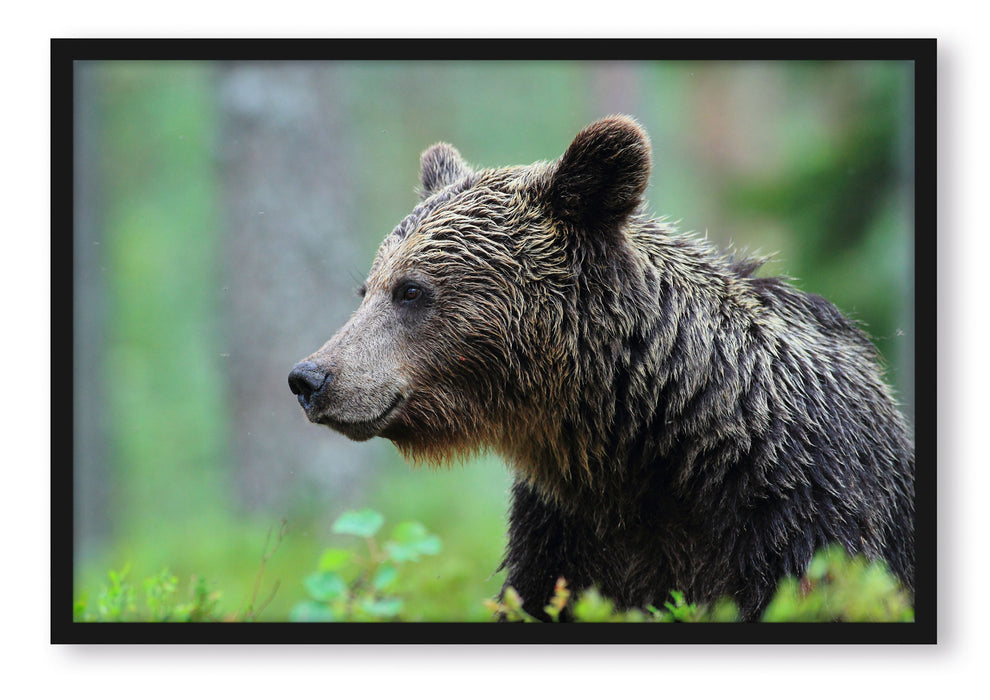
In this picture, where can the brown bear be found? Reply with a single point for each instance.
(674, 421)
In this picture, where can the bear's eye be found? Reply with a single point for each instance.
(409, 292)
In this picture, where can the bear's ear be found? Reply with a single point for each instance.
(439, 166)
(601, 177)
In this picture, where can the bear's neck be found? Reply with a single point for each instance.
(653, 383)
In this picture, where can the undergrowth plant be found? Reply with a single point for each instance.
(364, 583)
(119, 601)
(836, 587)
(841, 588)
(362, 587)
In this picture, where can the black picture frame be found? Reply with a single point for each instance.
(922, 52)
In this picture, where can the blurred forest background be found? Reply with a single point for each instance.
(225, 212)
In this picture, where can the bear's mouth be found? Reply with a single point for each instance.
(366, 428)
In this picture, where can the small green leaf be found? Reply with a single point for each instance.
(363, 523)
(430, 545)
(384, 608)
(335, 559)
(325, 585)
(409, 540)
(385, 576)
(401, 552)
(416, 535)
(311, 611)
(593, 607)
(409, 532)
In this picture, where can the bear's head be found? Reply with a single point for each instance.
(480, 304)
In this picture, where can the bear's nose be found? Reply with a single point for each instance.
(306, 379)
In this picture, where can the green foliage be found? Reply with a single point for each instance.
(592, 606)
(349, 586)
(471, 525)
(837, 587)
(118, 601)
(353, 586)
(362, 523)
(840, 588)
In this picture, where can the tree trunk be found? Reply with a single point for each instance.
(291, 263)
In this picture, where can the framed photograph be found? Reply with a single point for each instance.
(406, 341)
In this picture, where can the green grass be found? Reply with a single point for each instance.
(227, 549)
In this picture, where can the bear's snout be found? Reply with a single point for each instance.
(346, 399)
(305, 380)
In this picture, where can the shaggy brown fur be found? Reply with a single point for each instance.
(674, 421)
